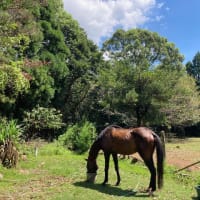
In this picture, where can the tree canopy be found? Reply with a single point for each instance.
(143, 76)
(47, 61)
(193, 68)
(57, 59)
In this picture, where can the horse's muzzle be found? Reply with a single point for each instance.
(91, 177)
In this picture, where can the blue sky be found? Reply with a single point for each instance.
(180, 25)
(176, 20)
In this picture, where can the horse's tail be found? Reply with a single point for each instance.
(160, 160)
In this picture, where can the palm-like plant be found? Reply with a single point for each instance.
(10, 130)
(10, 133)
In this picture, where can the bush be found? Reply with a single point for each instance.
(42, 120)
(78, 137)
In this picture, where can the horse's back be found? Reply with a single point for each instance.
(119, 140)
(145, 133)
(144, 138)
(126, 141)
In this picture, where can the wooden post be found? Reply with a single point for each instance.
(162, 137)
(36, 150)
(187, 166)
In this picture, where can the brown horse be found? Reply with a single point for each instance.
(116, 140)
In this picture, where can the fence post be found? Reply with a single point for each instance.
(162, 137)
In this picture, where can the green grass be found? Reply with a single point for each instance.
(57, 174)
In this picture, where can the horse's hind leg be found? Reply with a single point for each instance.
(107, 159)
(115, 159)
(150, 164)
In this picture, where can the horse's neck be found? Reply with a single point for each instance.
(94, 150)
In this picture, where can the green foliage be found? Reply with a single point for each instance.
(42, 31)
(41, 87)
(42, 119)
(53, 39)
(142, 48)
(131, 92)
(78, 137)
(183, 108)
(18, 29)
(83, 63)
(45, 48)
(12, 82)
(9, 130)
(193, 68)
(142, 77)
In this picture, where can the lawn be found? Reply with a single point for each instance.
(58, 174)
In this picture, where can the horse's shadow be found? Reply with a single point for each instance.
(195, 198)
(110, 190)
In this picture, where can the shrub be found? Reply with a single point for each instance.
(42, 120)
(78, 137)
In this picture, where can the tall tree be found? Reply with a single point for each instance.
(83, 62)
(183, 108)
(14, 40)
(61, 61)
(193, 68)
(144, 70)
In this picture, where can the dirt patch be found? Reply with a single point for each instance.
(181, 154)
(180, 158)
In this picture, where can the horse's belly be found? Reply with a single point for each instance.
(125, 151)
(121, 143)
(125, 148)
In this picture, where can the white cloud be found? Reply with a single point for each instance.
(160, 5)
(99, 18)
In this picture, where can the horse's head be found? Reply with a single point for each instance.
(92, 168)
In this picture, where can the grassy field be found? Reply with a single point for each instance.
(57, 174)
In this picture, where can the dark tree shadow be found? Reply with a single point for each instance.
(111, 190)
(195, 198)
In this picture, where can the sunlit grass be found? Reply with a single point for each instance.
(58, 174)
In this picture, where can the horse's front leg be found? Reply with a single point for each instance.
(115, 159)
(107, 159)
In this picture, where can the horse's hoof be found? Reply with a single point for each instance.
(150, 192)
(104, 183)
(117, 184)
